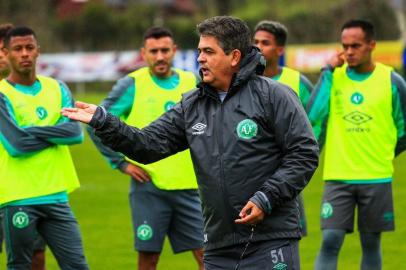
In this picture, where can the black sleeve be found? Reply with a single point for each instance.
(295, 138)
(162, 138)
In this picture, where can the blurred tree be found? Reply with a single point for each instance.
(97, 27)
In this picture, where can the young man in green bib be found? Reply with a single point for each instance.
(358, 112)
(163, 195)
(270, 37)
(36, 169)
(38, 258)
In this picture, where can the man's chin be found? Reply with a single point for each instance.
(352, 64)
(161, 72)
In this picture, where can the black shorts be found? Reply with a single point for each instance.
(264, 255)
(374, 205)
(158, 213)
(39, 242)
(54, 222)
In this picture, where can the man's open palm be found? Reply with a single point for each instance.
(83, 112)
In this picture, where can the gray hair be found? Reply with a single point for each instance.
(231, 33)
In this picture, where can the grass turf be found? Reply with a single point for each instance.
(102, 209)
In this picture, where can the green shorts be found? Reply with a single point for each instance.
(374, 205)
(157, 213)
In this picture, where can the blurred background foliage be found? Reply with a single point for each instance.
(99, 25)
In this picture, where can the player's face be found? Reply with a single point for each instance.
(159, 53)
(266, 42)
(357, 50)
(3, 62)
(216, 67)
(22, 54)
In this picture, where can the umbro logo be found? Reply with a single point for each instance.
(357, 118)
(199, 128)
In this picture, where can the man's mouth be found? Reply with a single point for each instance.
(204, 70)
(26, 63)
(161, 64)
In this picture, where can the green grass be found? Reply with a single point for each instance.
(101, 207)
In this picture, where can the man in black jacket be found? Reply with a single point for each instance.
(252, 148)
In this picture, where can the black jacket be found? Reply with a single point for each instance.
(273, 154)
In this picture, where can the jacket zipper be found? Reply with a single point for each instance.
(222, 177)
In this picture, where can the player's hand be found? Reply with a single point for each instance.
(82, 112)
(337, 60)
(137, 173)
(250, 214)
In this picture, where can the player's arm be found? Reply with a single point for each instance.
(119, 103)
(305, 90)
(162, 138)
(318, 106)
(66, 131)
(15, 139)
(399, 110)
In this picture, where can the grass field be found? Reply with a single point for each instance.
(101, 207)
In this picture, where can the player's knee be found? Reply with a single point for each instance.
(38, 260)
(332, 240)
(148, 259)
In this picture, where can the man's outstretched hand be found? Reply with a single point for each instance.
(83, 112)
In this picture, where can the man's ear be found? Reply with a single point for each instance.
(5, 51)
(175, 48)
(280, 50)
(235, 58)
(143, 53)
(372, 44)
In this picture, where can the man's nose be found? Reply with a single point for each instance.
(201, 58)
(24, 52)
(160, 55)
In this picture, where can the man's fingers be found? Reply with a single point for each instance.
(81, 105)
(143, 176)
(245, 211)
(69, 109)
(137, 177)
(249, 219)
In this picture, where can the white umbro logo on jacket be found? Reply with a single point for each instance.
(199, 128)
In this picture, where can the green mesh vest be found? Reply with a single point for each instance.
(291, 78)
(40, 173)
(150, 102)
(361, 134)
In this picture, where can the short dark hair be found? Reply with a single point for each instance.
(4, 28)
(18, 31)
(231, 33)
(157, 32)
(275, 28)
(366, 26)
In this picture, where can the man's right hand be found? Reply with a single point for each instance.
(337, 60)
(137, 173)
(83, 112)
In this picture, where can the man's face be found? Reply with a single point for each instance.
(4, 68)
(357, 50)
(22, 54)
(266, 42)
(159, 53)
(217, 68)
